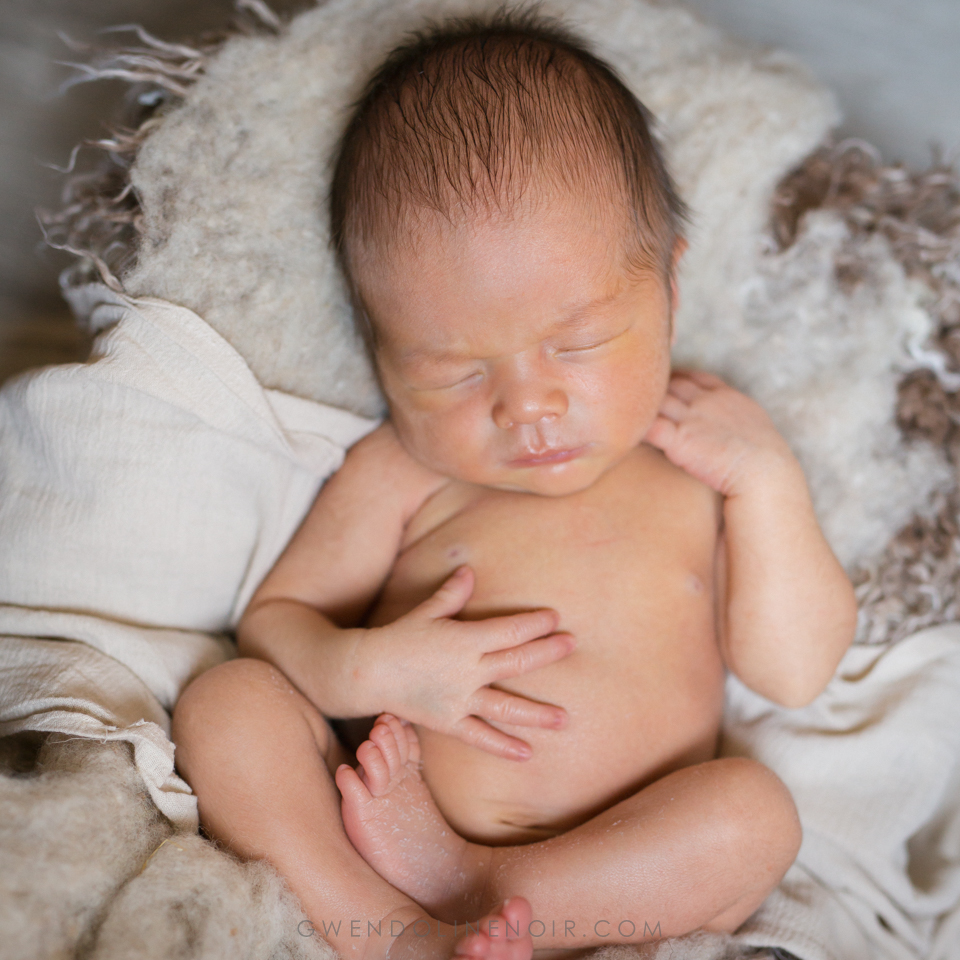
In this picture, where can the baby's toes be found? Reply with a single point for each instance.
(375, 770)
(352, 788)
(413, 743)
(399, 736)
(384, 736)
(502, 936)
(482, 946)
(516, 914)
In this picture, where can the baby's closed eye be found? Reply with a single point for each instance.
(442, 375)
(589, 340)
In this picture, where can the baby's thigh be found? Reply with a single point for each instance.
(248, 710)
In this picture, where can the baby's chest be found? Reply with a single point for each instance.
(626, 564)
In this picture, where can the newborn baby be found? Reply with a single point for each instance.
(539, 569)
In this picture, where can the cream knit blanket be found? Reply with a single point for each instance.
(874, 767)
(209, 475)
(143, 496)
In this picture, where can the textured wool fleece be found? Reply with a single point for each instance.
(233, 187)
(232, 184)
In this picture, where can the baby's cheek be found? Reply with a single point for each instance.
(631, 395)
(453, 440)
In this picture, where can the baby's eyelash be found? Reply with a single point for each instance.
(457, 383)
(581, 348)
(593, 344)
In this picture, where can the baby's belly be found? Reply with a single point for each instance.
(621, 734)
(643, 689)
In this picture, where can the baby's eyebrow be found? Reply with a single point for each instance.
(579, 314)
(425, 354)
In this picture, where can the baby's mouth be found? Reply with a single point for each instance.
(547, 457)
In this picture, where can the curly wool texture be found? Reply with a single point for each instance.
(232, 185)
(92, 869)
(832, 353)
(73, 831)
(915, 582)
(191, 900)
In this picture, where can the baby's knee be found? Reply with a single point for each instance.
(224, 696)
(760, 811)
(246, 709)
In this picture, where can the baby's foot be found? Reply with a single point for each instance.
(502, 936)
(392, 820)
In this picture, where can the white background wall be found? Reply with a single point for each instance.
(894, 63)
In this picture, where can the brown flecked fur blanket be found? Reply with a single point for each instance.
(820, 280)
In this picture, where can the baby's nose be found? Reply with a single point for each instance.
(523, 403)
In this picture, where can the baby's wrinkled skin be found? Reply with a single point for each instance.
(543, 563)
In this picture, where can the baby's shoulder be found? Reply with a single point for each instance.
(648, 468)
(379, 448)
(379, 465)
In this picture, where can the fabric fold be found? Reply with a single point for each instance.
(143, 497)
(64, 686)
(145, 494)
(873, 765)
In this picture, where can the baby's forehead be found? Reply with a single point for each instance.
(541, 207)
(489, 288)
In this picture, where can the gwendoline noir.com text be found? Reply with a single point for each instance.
(621, 931)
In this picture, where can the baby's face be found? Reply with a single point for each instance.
(521, 353)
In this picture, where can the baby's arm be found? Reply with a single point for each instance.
(425, 667)
(786, 609)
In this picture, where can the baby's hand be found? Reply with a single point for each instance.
(717, 434)
(435, 671)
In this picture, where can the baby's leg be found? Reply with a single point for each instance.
(700, 848)
(259, 756)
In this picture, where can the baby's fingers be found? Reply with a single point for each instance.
(684, 387)
(501, 633)
(480, 734)
(503, 664)
(449, 598)
(662, 434)
(709, 381)
(492, 704)
(673, 409)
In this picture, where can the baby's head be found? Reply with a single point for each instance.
(509, 232)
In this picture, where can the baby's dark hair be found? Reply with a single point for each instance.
(470, 113)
